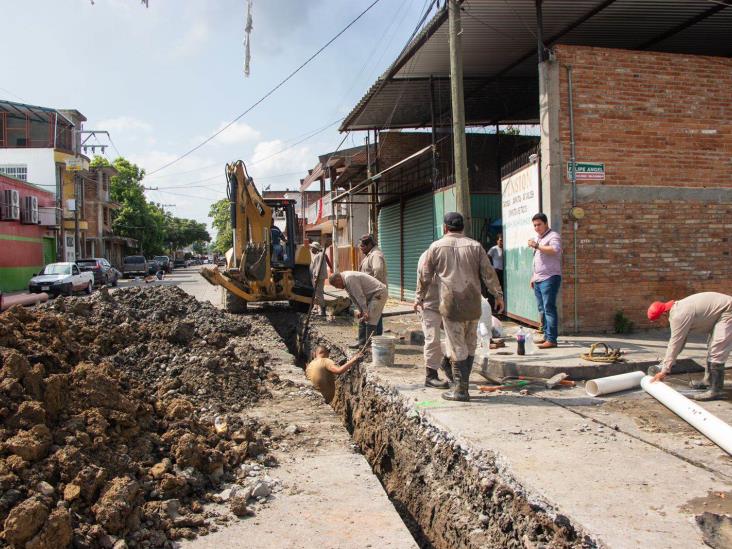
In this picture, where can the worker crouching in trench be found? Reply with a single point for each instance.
(368, 294)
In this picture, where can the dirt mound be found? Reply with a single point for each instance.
(107, 417)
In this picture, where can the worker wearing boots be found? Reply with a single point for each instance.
(373, 264)
(707, 312)
(431, 323)
(369, 296)
(459, 263)
(318, 274)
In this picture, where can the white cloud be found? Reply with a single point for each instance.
(124, 124)
(265, 162)
(193, 40)
(236, 134)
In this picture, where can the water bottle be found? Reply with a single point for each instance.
(521, 340)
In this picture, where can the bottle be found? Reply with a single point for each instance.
(521, 340)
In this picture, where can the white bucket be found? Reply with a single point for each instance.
(383, 349)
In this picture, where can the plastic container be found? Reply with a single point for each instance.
(521, 341)
(383, 349)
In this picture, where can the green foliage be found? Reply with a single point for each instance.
(623, 325)
(200, 247)
(221, 221)
(143, 220)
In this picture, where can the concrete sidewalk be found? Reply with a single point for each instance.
(623, 466)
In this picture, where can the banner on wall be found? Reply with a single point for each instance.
(519, 203)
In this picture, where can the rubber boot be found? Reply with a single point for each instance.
(716, 384)
(433, 380)
(447, 369)
(461, 373)
(702, 383)
(361, 337)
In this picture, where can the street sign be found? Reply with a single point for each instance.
(74, 165)
(587, 170)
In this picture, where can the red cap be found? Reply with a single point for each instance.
(657, 308)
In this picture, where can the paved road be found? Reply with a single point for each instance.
(189, 279)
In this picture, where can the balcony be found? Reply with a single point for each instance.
(311, 212)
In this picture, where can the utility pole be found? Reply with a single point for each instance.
(462, 189)
(77, 237)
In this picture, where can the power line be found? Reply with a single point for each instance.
(302, 137)
(270, 92)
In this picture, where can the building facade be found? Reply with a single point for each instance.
(28, 228)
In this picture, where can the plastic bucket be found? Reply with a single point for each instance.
(383, 349)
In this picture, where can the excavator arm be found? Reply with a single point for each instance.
(250, 274)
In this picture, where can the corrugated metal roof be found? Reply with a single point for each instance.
(500, 46)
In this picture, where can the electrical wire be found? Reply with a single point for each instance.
(270, 92)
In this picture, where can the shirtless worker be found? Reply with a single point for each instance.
(321, 371)
(369, 296)
(459, 263)
(707, 312)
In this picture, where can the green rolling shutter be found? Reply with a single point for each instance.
(418, 235)
(390, 242)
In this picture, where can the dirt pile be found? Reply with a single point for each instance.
(108, 428)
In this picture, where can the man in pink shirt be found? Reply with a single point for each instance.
(547, 277)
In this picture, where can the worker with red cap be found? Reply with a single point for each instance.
(706, 312)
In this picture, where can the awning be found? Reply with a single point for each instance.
(500, 57)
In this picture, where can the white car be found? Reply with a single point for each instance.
(61, 278)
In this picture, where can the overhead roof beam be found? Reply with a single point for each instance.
(528, 55)
(683, 26)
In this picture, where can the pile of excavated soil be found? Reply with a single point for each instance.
(107, 419)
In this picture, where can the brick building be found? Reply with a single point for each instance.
(658, 226)
(632, 102)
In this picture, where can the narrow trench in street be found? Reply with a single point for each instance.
(445, 493)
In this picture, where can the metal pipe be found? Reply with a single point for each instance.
(573, 175)
(716, 430)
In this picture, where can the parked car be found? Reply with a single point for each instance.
(165, 261)
(179, 263)
(102, 270)
(61, 278)
(134, 265)
(153, 267)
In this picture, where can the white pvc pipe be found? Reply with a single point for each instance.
(613, 384)
(716, 430)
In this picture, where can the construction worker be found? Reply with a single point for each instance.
(321, 371)
(373, 264)
(431, 324)
(460, 263)
(369, 296)
(318, 274)
(707, 312)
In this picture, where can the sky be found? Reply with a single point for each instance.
(164, 78)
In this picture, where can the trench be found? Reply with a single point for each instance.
(448, 494)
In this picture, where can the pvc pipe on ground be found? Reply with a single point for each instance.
(613, 384)
(716, 430)
(8, 301)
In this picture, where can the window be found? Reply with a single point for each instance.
(18, 171)
(75, 269)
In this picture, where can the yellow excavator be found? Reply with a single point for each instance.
(265, 262)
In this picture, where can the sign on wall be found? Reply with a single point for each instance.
(593, 171)
(519, 203)
(74, 165)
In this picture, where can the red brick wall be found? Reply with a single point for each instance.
(655, 120)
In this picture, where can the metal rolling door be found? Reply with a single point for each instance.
(390, 242)
(419, 230)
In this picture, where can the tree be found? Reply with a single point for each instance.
(220, 213)
(143, 220)
(200, 247)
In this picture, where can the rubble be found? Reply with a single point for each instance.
(107, 409)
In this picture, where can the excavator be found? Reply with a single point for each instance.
(264, 263)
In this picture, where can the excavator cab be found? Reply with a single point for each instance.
(265, 262)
